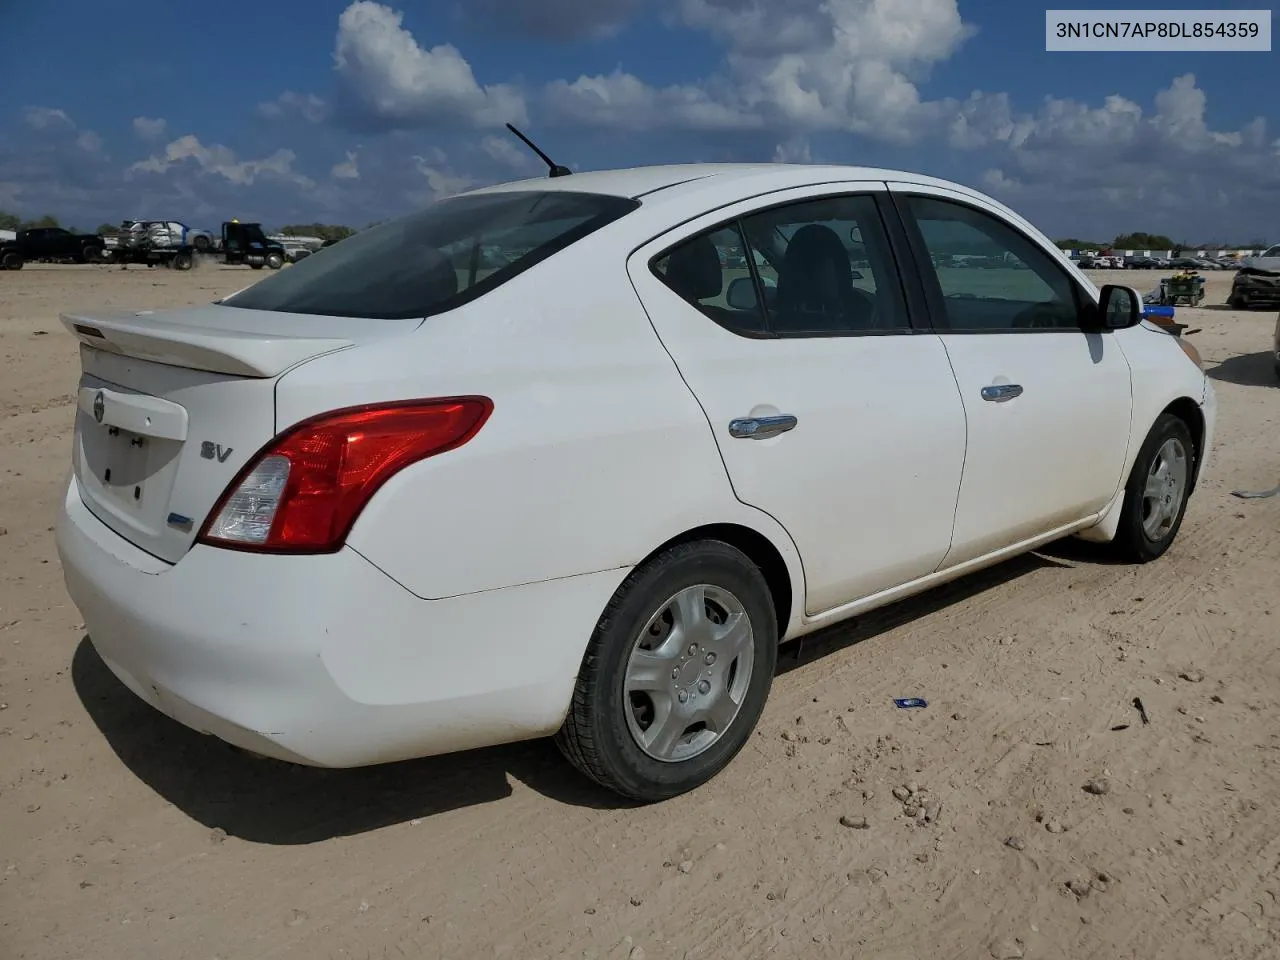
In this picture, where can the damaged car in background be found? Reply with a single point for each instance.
(1257, 283)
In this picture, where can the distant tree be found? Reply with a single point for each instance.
(48, 220)
(10, 221)
(1143, 241)
(1071, 243)
(107, 230)
(325, 231)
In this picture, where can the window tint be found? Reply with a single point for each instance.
(826, 268)
(436, 259)
(991, 276)
(710, 272)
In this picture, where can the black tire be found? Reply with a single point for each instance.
(596, 736)
(182, 261)
(91, 254)
(255, 266)
(1132, 542)
(275, 261)
(11, 261)
(201, 244)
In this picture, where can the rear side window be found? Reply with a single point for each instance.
(436, 259)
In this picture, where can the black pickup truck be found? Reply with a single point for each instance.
(10, 255)
(55, 243)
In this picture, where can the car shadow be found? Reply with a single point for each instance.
(814, 646)
(271, 802)
(1247, 370)
(268, 801)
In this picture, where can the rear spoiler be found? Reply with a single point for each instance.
(235, 352)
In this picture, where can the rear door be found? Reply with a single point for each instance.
(1048, 405)
(832, 412)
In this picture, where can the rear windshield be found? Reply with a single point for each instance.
(436, 259)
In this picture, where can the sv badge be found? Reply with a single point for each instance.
(214, 451)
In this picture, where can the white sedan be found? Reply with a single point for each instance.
(573, 456)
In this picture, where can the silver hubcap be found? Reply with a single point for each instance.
(688, 673)
(1165, 489)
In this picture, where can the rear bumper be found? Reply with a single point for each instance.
(325, 660)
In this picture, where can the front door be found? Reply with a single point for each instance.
(1048, 405)
(832, 412)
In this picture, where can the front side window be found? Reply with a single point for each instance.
(991, 277)
(435, 259)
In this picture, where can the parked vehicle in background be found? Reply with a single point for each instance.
(291, 519)
(297, 240)
(154, 243)
(57, 244)
(295, 250)
(1269, 260)
(1254, 287)
(1087, 263)
(245, 243)
(201, 241)
(1275, 347)
(1140, 263)
(11, 255)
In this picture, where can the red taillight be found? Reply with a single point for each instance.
(302, 493)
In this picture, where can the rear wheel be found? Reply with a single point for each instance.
(255, 266)
(201, 244)
(181, 261)
(92, 254)
(676, 674)
(11, 261)
(1155, 499)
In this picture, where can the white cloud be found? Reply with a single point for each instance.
(623, 100)
(348, 169)
(792, 66)
(308, 106)
(89, 141)
(795, 150)
(441, 181)
(503, 150)
(217, 160)
(47, 118)
(393, 81)
(150, 128)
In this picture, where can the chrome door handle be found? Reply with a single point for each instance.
(761, 428)
(1001, 392)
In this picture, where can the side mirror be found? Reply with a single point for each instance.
(1118, 308)
(741, 294)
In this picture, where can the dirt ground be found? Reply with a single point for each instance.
(125, 836)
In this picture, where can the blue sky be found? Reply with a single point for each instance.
(348, 112)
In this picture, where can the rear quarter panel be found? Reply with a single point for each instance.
(596, 452)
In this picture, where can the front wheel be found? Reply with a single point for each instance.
(275, 261)
(11, 261)
(181, 261)
(1156, 495)
(676, 674)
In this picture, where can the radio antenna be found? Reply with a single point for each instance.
(556, 170)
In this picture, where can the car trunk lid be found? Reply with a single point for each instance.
(172, 404)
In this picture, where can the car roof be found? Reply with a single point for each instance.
(682, 180)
